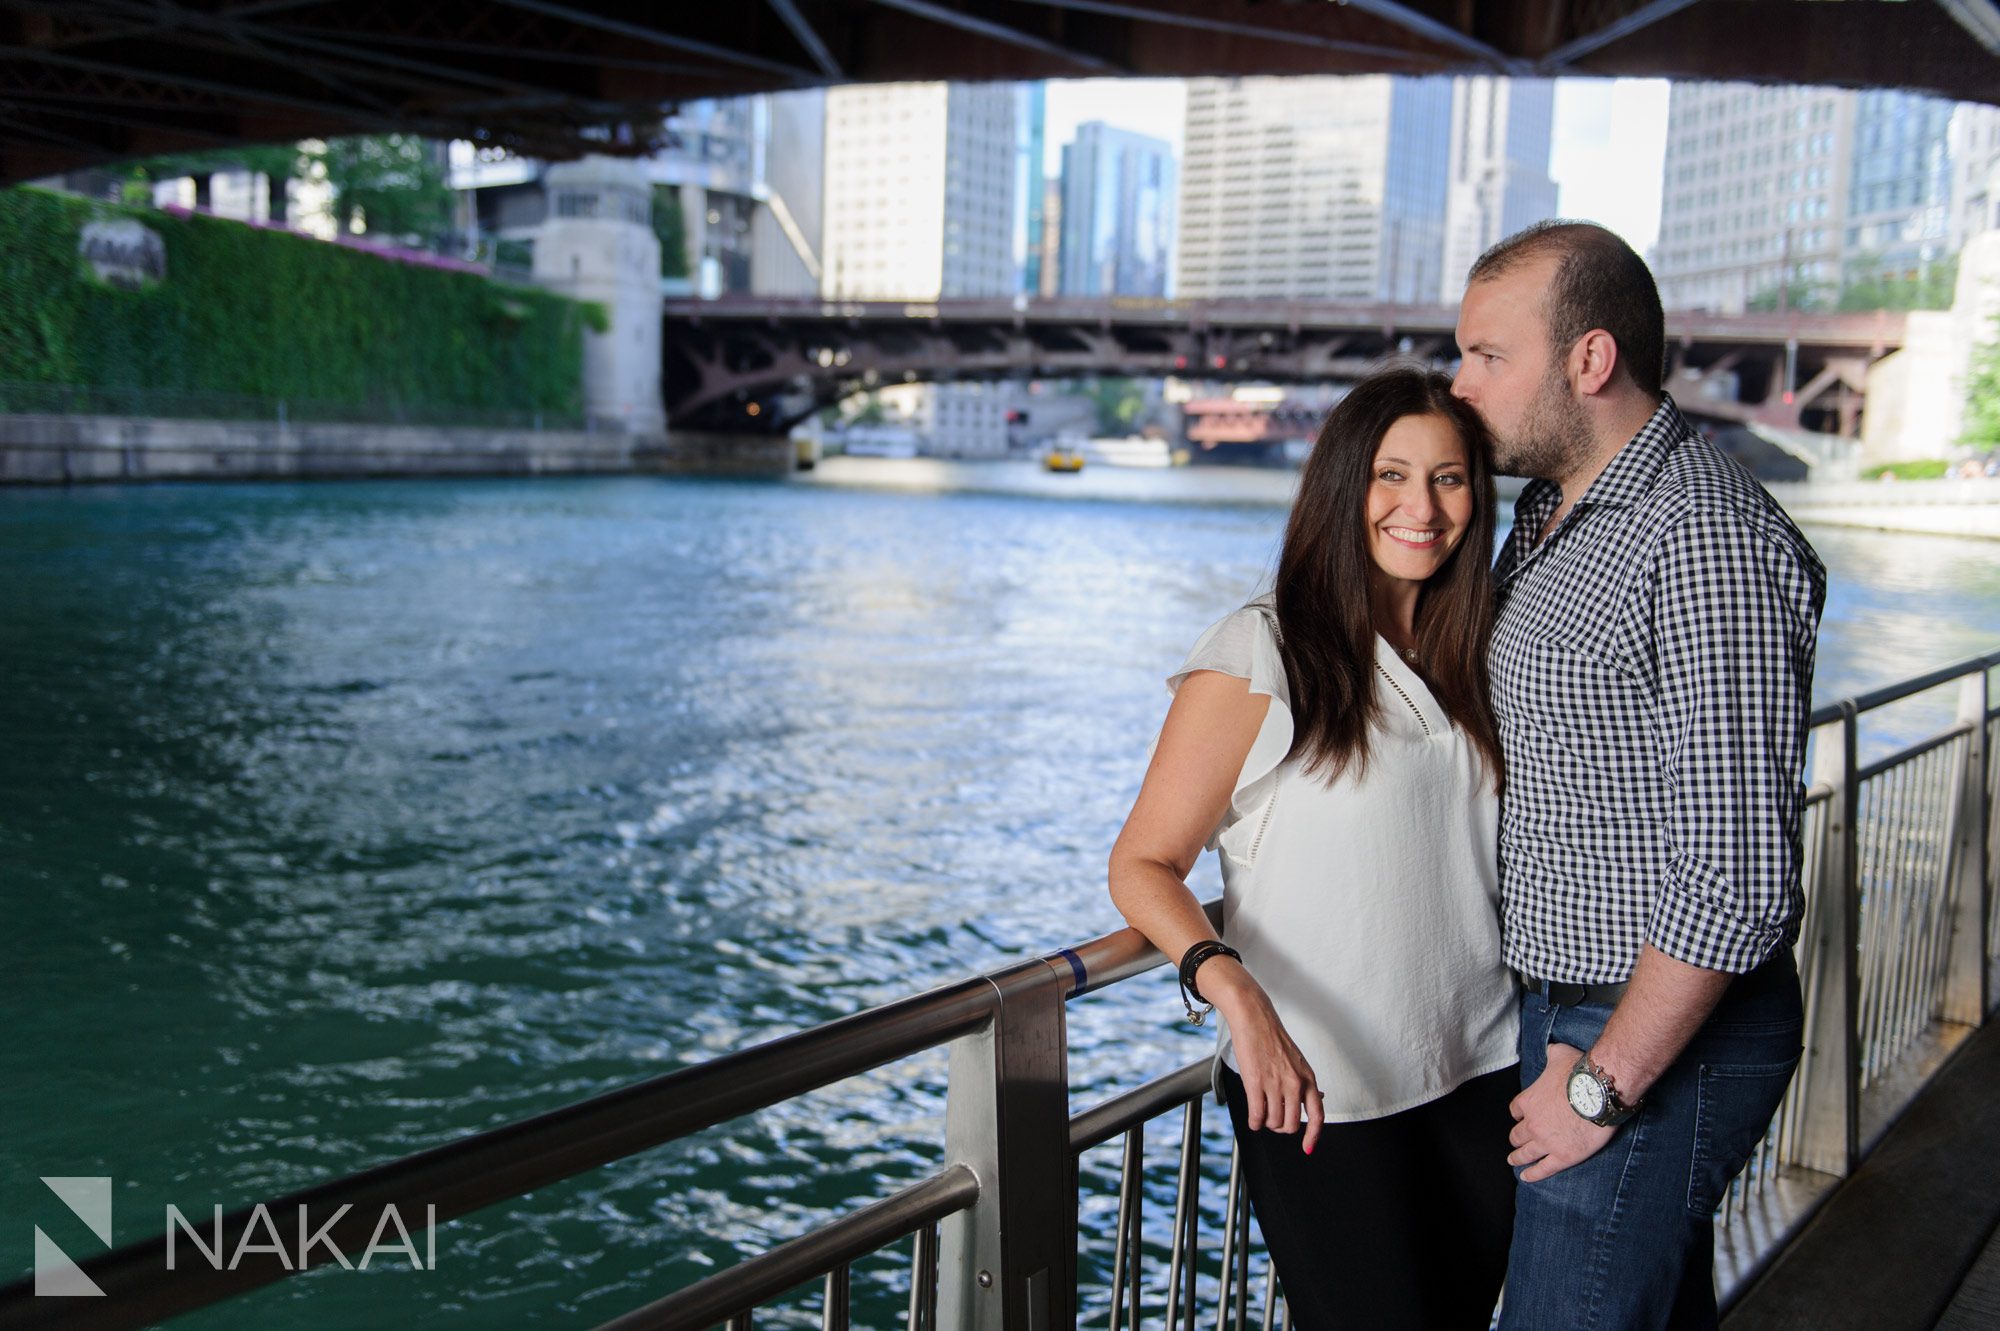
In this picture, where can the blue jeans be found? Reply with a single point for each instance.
(1626, 1239)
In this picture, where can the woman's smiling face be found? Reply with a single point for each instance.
(1419, 498)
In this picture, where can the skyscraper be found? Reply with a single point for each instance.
(1031, 122)
(920, 206)
(1787, 195)
(1118, 191)
(1314, 188)
(786, 232)
(1899, 186)
(1975, 168)
(1499, 174)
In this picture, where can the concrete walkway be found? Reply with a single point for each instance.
(1910, 1241)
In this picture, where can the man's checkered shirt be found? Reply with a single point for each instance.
(1652, 674)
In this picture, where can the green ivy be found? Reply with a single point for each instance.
(262, 314)
(1920, 469)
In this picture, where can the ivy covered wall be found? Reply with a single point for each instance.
(254, 314)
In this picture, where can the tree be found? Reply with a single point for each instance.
(390, 185)
(1119, 404)
(1869, 288)
(1795, 295)
(670, 225)
(1982, 394)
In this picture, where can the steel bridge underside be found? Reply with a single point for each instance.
(90, 82)
(762, 366)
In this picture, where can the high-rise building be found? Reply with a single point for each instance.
(1031, 114)
(1118, 191)
(1786, 195)
(1975, 165)
(1049, 258)
(1899, 186)
(920, 206)
(786, 229)
(1314, 188)
(1499, 175)
(1117, 212)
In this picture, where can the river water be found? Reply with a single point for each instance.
(337, 821)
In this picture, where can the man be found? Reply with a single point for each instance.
(1652, 670)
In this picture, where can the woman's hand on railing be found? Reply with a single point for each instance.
(1279, 1088)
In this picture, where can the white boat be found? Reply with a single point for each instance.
(1130, 451)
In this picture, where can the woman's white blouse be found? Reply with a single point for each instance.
(1368, 909)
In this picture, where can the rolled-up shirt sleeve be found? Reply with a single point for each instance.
(1735, 615)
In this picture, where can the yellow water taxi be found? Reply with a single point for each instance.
(1063, 459)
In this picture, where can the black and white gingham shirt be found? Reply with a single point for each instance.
(1652, 674)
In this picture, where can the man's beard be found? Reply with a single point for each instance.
(1553, 436)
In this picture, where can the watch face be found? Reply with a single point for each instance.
(1586, 1095)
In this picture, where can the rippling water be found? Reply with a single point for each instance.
(340, 820)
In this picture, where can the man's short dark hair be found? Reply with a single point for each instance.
(1599, 283)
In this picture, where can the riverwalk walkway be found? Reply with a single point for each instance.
(1912, 1241)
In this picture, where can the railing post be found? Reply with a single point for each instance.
(1830, 1135)
(1965, 977)
(1010, 1262)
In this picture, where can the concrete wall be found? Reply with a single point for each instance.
(59, 450)
(1943, 508)
(1916, 396)
(710, 453)
(54, 450)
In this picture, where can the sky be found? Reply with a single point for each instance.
(1610, 138)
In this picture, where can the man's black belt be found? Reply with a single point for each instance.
(1563, 994)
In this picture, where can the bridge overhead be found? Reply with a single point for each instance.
(84, 82)
(755, 365)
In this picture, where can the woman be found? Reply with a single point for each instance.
(1334, 743)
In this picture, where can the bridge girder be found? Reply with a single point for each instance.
(764, 365)
(555, 78)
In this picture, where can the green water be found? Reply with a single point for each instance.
(337, 821)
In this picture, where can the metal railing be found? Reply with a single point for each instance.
(1896, 955)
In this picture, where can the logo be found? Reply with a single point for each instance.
(56, 1274)
(260, 1235)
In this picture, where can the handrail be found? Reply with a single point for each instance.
(1094, 1127)
(1872, 770)
(505, 1162)
(1888, 693)
(758, 1279)
(1118, 955)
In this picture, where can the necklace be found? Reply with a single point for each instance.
(1408, 654)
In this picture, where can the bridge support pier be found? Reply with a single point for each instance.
(598, 245)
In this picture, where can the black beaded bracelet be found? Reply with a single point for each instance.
(1190, 963)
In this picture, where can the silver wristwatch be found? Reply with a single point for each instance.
(1594, 1098)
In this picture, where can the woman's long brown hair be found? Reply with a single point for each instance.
(1326, 632)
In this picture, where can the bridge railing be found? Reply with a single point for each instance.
(1897, 957)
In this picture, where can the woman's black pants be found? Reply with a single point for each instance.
(1393, 1222)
